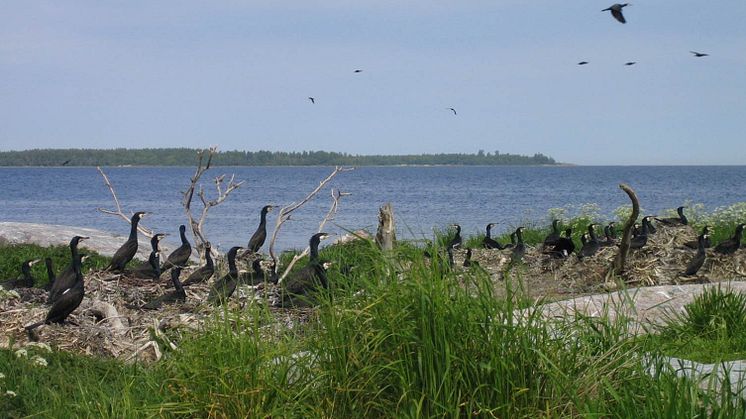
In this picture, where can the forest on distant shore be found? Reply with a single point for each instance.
(187, 157)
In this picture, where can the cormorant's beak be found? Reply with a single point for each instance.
(34, 262)
(83, 238)
(84, 258)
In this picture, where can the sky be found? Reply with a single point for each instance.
(238, 74)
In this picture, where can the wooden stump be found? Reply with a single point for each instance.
(386, 234)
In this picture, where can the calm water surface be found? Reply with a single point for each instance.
(423, 197)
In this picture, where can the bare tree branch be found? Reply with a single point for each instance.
(336, 196)
(621, 257)
(196, 225)
(118, 212)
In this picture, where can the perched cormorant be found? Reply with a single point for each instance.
(313, 101)
(255, 277)
(180, 256)
(456, 240)
(204, 272)
(694, 244)
(681, 220)
(50, 274)
(260, 235)
(26, 280)
(467, 258)
(730, 246)
(583, 63)
(699, 259)
(551, 238)
(453, 110)
(66, 278)
(699, 54)
(616, 11)
(639, 240)
(564, 246)
(646, 222)
(297, 286)
(68, 300)
(609, 234)
(152, 267)
(512, 242)
(178, 295)
(128, 250)
(591, 245)
(488, 242)
(224, 287)
(520, 248)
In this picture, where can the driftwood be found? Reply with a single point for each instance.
(222, 194)
(108, 313)
(621, 258)
(287, 211)
(386, 234)
(336, 196)
(119, 213)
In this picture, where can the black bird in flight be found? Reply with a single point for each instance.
(312, 100)
(616, 11)
(699, 54)
(630, 63)
(66, 162)
(453, 110)
(358, 71)
(583, 63)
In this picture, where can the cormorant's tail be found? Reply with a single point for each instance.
(34, 326)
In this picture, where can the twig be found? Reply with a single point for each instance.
(222, 195)
(336, 196)
(119, 213)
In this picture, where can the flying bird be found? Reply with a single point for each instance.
(630, 63)
(699, 54)
(358, 71)
(616, 11)
(312, 100)
(583, 63)
(453, 110)
(66, 162)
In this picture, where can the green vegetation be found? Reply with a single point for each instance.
(395, 336)
(187, 157)
(712, 328)
(12, 256)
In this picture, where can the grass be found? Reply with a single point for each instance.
(12, 256)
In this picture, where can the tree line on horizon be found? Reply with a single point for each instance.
(187, 157)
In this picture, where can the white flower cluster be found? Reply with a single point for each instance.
(7, 392)
(35, 360)
(8, 294)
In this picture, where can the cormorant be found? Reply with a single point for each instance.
(646, 222)
(520, 248)
(66, 278)
(564, 246)
(699, 259)
(616, 11)
(639, 240)
(68, 300)
(628, 63)
(260, 235)
(694, 244)
(358, 71)
(178, 295)
(50, 274)
(26, 280)
(583, 63)
(456, 240)
(313, 101)
(730, 246)
(591, 245)
(551, 238)
(128, 250)
(180, 256)
(699, 54)
(255, 277)
(681, 220)
(453, 110)
(152, 268)
(66, 162)
(297, 286)
(205, 272)
(512, 242)
(467, 259)
(488, 242)
(224, 287)
(609, 234)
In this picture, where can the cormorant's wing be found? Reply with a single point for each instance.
(618, 15)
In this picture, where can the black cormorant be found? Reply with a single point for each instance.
(313, 101)
(297, 286)
(26, 280)
(629, 63)
(639, 240)
(646, 222)
(456, 240)
(681, 220)
(50, 274)
(68, 300)
(694, 244)
(223, 288)
(609, 234)
(358, 71)
(699, 259)
(551, 238)
(699, 54)
(488, 242)
(591, 244)
(260, 235)
(616, 11)
(730, 246)
(66, 278)
(453, 110)
(467, 258)
(583, 63)
(152, 267)
(204, 272)
(129, 249)
(564, 246)
(512, 242)
(255, 277)
(178, 295)
(180, 256)
(520, 248)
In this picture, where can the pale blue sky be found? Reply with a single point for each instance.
(238, 74)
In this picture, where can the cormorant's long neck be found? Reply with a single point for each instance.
(592, 234)
(489, 231)
(644, 227)
(182, 233)
(175, 280)
(555, 227)
(232, 263)
(26, 270)
(701, 245)
(208, 259)
(458, 233)
(314, 249)
(737, 236)
(50, 270)
(133, 228)
(74, 253)
(263, 220)
(519, 235)
(77, 269)
(682, 216)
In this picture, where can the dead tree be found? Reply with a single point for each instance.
(386, 234)
(223, 191)
(118, 212)
(621, 258)
(287, 211)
